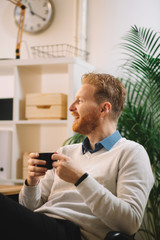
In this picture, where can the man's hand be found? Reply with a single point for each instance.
(66, 168)
(35, 172)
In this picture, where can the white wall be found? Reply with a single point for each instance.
(108, 21)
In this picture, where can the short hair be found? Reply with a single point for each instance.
(107, 88)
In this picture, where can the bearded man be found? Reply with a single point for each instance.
(96, 186)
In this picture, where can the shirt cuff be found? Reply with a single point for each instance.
(31, 190)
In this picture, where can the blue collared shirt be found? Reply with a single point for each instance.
(107, 143)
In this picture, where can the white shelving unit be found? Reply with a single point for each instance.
(20, 77)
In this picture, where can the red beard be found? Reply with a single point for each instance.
(86, 124)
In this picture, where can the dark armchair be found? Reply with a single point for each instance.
(118, 236)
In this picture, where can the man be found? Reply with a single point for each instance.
(100, 185)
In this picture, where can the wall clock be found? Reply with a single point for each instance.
(38, 17)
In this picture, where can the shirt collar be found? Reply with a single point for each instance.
(107, 143)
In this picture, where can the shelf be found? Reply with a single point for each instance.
(19, 77)
(49, 122)
(44, 61)
(6, 125)
(6, 122)
(11, 181)
(32, 122)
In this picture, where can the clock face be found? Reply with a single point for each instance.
(38, 15)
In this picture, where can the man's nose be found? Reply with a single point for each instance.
(72, 107)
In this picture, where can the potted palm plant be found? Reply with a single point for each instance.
(140, 120)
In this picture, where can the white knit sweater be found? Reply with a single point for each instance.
(112, 197)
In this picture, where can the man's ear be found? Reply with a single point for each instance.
(105, 108)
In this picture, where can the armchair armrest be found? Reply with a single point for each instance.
(118, 236)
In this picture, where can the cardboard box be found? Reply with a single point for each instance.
(46, 106)
(25, 165)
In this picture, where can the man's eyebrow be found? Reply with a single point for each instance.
(79, 96)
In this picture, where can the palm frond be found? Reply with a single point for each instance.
(76, 138)
(140, 120)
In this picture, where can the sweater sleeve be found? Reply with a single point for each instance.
(33, 197)
(123, 212)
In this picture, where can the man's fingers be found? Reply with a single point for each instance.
(36, 169)
(59, 157)
(55, 164)
(33, 162)
(36, 174)
(34, 155)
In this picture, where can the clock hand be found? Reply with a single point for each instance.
(30, 7)
(33, 13)
(38, 16)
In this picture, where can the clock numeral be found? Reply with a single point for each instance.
(46, 12)
(31, 28)
(38, 25)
